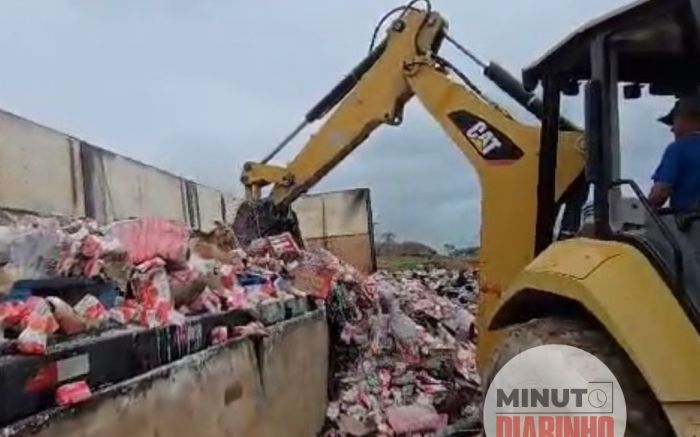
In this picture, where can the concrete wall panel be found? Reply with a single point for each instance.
(309, 210)
(47, 172)
(209, 206)
(132, 189)
(39, 170)
(340, 222)
(295, 377)
(334, 214)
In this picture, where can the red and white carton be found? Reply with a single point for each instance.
(33, 305)
(149, 318)
(11, 313)
(33, 339)
(73, 393)
(219, 335)
(227, 276)
(284, 246)
(38, 323)
(153, 292)
(92, 311)
(124, 314)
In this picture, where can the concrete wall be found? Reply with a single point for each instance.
(231, 204)
(210, 206)
(48, 172)
(341, 222)
(120, 187)
(33, 157)
(275, 387)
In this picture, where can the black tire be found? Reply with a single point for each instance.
(645, 417)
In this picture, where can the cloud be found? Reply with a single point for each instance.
(199, 88)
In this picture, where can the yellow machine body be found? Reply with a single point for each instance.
(616, 284)
(612, 281)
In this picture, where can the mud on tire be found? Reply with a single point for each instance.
(645, 418)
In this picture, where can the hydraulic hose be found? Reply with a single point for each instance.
(511, 86)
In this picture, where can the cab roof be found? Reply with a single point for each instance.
(657, 42)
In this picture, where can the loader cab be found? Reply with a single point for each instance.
(651, 47)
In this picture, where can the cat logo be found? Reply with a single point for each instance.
(483, 138)
(492, 144)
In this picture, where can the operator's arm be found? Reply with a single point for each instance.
(665, 177)
(659, 194)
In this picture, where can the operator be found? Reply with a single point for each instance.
(678, 175)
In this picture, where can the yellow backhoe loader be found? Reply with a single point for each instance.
(626, 292)
(516, 188)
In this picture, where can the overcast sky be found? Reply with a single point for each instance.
(199, 87)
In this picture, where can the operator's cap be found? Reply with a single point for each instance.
(686, 105)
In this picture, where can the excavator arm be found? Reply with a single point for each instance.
(374, 93)
(504, 152)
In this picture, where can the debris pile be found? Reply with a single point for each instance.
(403, 344)
(39, 248)
(405, 364)
(157, 273)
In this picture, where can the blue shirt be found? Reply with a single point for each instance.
(680, 168)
